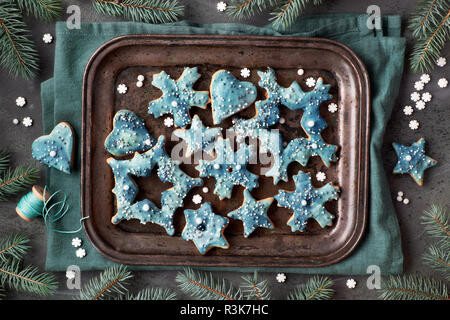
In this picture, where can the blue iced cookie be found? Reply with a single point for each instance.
(307, 202)
(229, 95)
(412, 160)
(228, 168)
(141, 165)
(205, 228)
(198, 137)
(253, 213)
(178, 96)
(129, 135)
(55, 149)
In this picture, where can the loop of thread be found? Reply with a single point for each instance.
(32, 207)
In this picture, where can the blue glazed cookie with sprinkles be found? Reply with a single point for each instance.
(198, 137)
(229, 95)
(178, 96)
(228, 168)
(205, 228)
(412, 160)
(55, 149)
(141, 165)
(253, 214)
(307, 202)
(129, 135)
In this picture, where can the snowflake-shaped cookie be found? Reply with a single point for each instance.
(198, 137)
(228, 168)
(253, 213)
(307, 202)
(205, 228)
(178, 96)
(412, 160)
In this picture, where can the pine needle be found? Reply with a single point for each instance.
(439, 260)
(44, 10)
(241, 9)
(17, 51)
(203, 286)
(28, 279)
(151, 294)
(149, 11)
(285, 16)
(253, 289)
(2, 293)
(13, 246)
(110, 283)
(316, 288)
(414, 287)
(4, 160)
(437, 224)
(17, 180)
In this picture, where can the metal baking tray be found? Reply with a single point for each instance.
(122, 59)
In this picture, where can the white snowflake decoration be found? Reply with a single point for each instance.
(20, 101)
(425, 78)
(221, 6)
(332, 107)
(197, 199)
(415, 96)
(300, 72)
(420, 105)
(419, 85)
(27, 122)
(122, 88)
(281, 277)
(442, 83)
(168, 122)
(408, 110)
(245, 72)
(310, 82)
(414, 124)
(80, 253)
(351, 283)
(76, 242)
(321, 176)
(441, 62)
(47, 38)
(70, 274)
(426, 96)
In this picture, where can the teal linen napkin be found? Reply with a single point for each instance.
(382, 52)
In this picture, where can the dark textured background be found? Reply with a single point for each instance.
(433, 120)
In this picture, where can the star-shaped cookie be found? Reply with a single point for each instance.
(205, 228)
(253, 213)
(412, 160)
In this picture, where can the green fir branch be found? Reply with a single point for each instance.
(437, 224)
(17, 180)
(17, 51)
(4, 160)
(149, 11)
(13, 246)
(438, 259)
(285, 16)
(241, 9)
(253, 289)
(414, 287)
(27, 279)
(44, 10)
(151, 294)
(203, 286)
(2, 293)
(316, 288)
(111, 282)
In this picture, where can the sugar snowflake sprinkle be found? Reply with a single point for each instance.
(70, 274)
(418, 85)
(47, 38)
(20, 101)
(442, 83)
(426, 96)
(221, 6)
(122, 88)
(420, 105)
(27, 122)
(80, 253)
(245, 72)
(425, 78)
(168, 122)
(332, 107)
(414, 124)
(320, 176)
(351, 283)
(415, 96)
(197, 199)
(281, 277)
(408, 110)
(76, 242)
(310, 82)
(441, 62)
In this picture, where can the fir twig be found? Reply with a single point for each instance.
(438, 259)
(253, 289)
(2, 293)
(150, 11)
(437, 224)
(45, 10)
(4, 160)
(241, 9)
(111, 282)
(17, 180)
(413, 287)
(151, 294)
(18, 53)
(28, 279)
(13, 246)
(285, 16)
(203, 286)
(316, 288)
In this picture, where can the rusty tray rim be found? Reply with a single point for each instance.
(363, 182)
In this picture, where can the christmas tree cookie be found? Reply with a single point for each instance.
(178, 96)
(205, 228)
(412, 160)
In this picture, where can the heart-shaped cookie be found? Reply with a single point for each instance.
(229, 95)
(129, 135)
(55, 149)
